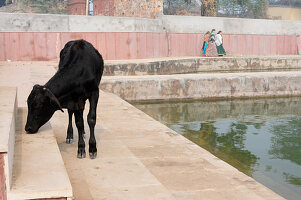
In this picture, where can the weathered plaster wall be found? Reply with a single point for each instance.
(197, 86)
(28, 46)
(21, 22)
(76, 7)
(103, 7)
(40, 37)
(161, 66)
(118, 8)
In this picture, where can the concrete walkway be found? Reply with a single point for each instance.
(140, 158)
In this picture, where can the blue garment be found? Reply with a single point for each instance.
(212, 38)
(205, 47)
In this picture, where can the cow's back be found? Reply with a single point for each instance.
(80, 71)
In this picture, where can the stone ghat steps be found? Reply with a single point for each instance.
(141, 159)
(204, 86)
(179, 65)
(38, 171)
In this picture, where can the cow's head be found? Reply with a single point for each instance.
(41, 105)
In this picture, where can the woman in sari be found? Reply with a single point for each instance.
(211, 49)
(219, 44)
(205, 43)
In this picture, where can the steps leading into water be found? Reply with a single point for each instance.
(204, 86)
(38, 171)
(140, 158)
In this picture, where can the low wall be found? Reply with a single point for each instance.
(21, 22)
(198, 86)
(42, 46)
(26, 37)
(161, 66)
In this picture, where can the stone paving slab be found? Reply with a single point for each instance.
(140, 158)
(8, 112)
(24, 75)
(7, 105)
(38, 170)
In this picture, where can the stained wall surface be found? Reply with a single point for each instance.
(43, 46)
(202, 86)
(41, 37)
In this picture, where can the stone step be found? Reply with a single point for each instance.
(180, 65)
(39, 171)
(203, 86)
(8, 104)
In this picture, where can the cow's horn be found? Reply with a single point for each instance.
(53, 98)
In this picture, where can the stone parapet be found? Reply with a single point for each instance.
(203, 86)
(22, 22)
(165, 66)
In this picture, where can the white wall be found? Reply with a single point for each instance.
(11, 22)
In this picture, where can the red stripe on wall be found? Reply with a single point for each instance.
(46, 46)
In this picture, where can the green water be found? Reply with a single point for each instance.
(261, 138)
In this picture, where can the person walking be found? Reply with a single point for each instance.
(219, 44)
(205, 43)
(211, 49)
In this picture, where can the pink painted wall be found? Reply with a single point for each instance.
(21, 46)
(299, 45)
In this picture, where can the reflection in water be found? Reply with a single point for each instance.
(228, 146)
(261, 138)
(286, 141)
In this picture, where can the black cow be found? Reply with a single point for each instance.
(77, 79)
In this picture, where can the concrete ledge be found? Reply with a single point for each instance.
(197, 86)
(231, 25)
(8, 106)
(186, 170)
(175, 65)
(23, 22)
(39, 171)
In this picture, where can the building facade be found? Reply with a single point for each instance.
(77, 7)
(118, 8)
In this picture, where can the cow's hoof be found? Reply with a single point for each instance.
(69, 140)
(81, 154)
(93, 155)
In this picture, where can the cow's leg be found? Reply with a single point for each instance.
(69, 138)
(91, 118)
(81, 153)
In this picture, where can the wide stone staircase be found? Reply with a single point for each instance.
(33, 166)
(138, 157)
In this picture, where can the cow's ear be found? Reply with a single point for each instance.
(53, 98)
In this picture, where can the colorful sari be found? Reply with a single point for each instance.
(211, 49)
